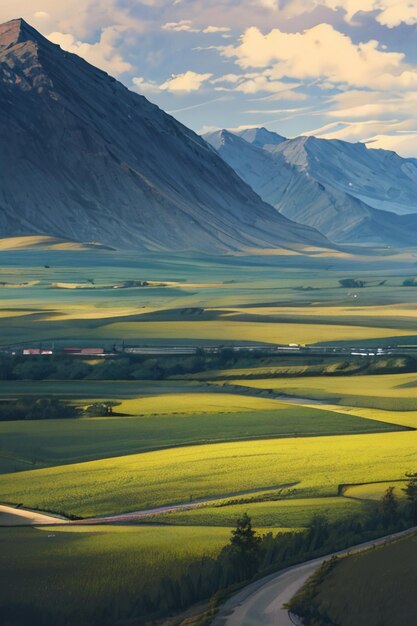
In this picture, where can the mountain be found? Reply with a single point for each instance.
(83, 158)
(350, 193)
(261, 138)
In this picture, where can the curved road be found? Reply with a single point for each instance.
(260, 603)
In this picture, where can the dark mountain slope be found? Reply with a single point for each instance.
(82, 157)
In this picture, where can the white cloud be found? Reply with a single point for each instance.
(103, 54)
(216, 29)
(324, 54)
(255, 82)
(187, 82)
(229, 78)
(182, 26)
(188, 27)
(389, 13)
(42, 15)
(145, 86)
(262, 84)
(398, 13)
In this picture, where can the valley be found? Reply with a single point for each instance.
(195, 439)
(208, 337)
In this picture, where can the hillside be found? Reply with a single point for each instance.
(85, 159)
(375, 588)
(348, 192)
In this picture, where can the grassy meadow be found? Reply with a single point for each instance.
(381, 581)
(34, 444)
(140, 481)
(47, 574)
(283, 438)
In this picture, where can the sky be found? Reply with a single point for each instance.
(343, 69)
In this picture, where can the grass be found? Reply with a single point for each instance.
(375, 588)
(291, 513)
(149, 457)
(93, 389)
(196, 403)
(48, 574)
(374, 491)
(151, 479)
(245, 331)
(383, 391)
(166, 421)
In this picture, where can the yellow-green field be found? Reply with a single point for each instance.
(223, 439)
(317, 466)
(395, 392)
(167, 421)
(256, 331)
(288, 513)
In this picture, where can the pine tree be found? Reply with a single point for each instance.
(389, 506)
(245, 545)
(410, 491)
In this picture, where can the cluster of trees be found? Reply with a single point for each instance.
(124, 367)
(43, 408)
(356, 283)
(248, 556)
(394, 517)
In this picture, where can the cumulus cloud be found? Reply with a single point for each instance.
(324, 54)
(187, 82)
(103, 54)
(389, 13)
(78, 17)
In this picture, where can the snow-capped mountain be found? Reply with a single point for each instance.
(82, 157)
(347, 191)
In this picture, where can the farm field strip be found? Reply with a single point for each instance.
(153, 479)
(169, 421)
(249, 331)
(288, 513)
(386, 385)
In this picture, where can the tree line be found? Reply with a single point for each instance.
(247, 557)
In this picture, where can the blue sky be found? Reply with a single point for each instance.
(335, 68)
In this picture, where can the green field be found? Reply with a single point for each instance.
(392, 392)
(285, 439)
(375, 588)
(50, 570)
(166, 421)
(290, 513)
(141, 481)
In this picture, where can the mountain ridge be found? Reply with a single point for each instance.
(86, 159)
(326, 184)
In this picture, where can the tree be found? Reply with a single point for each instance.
(245, 545)
(389, 506)
(410, 491)
(243, 536)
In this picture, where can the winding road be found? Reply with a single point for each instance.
(261, 602)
